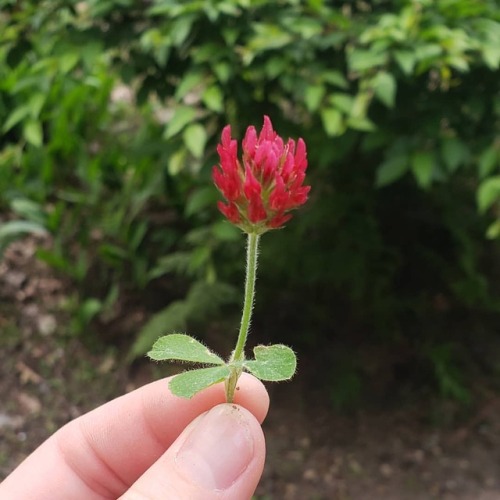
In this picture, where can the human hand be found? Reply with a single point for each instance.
(152, 445)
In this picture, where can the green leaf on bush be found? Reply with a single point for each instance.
(360, 105)
(187, 384)
(181, 347)
(195, 138)
(32, 132)
(181, 29)
(177, 162)
(313, 96)
(335, 78)
(493, 231)
(36, 103)
(488, 160)
(213, 98)
(272, 363)
(332, 121)
(189, 83)
(428, 52)
(342, 101)
(391, 170)
(267, 37)
(182, 116)
(361, 123)
(362, 60)
(385, 88)
(406, 60)
(17, 115)
(454, 153)
(67, 62)
(491, 56)
(488, 193)
(422, 165)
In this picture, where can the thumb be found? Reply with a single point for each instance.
(220, 455)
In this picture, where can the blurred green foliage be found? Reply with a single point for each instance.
(110, 111)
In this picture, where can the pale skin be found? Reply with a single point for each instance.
(152, 445)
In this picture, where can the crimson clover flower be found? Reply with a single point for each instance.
(260, 191)
(266, 184)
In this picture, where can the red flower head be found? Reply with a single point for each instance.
(262, 188)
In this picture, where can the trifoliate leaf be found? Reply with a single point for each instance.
(273, 363)
(178, 346)
(187, 384)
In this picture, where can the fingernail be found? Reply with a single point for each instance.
(218, 449)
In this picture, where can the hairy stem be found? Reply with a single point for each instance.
(238, 355)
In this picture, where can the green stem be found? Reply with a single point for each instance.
(251, 274)
(238, 355)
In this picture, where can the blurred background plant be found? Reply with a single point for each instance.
(110, 111)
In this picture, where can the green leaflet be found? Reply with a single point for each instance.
(178, 346)
(187, 384)
(272, 363)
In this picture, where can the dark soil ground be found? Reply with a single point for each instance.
(400, 453)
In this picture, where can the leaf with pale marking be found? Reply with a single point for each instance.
(181, 347)
(272, 363)
(187, 384)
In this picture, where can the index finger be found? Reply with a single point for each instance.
(99, 455)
